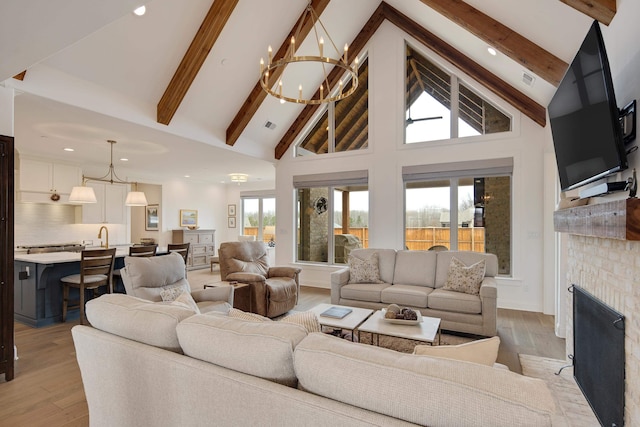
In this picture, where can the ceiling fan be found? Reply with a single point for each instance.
(412, 121)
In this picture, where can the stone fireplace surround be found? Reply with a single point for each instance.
(609, 269)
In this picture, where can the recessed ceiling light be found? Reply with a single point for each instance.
(140, 11)
(124, 159)
(187, 176)
(69, 149)
(492, 51)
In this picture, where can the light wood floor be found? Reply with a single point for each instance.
(47, 387)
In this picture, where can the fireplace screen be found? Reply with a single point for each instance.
(598, 360)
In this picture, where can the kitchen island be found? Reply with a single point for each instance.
(37, 287)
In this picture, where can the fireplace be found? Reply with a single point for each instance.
(599, 356)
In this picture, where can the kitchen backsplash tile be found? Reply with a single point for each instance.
(43, 224)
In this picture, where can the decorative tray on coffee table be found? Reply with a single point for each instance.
(402, 321)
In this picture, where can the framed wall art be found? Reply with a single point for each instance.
(188, 218)
(231, 222)
(151, 221)
(231, 210)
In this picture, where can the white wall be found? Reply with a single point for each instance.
(6, 111)
(210, 200)
(387, 155)
(138, 219)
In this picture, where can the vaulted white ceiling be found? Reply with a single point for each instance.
(95, 71)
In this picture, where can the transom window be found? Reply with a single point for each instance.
(439, 106)
(344, 125)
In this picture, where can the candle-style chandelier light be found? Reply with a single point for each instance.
(286, 91)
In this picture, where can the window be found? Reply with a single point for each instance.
(344, 126)
(259, 218)
(332, 216)
(464, 206)
(439, 106)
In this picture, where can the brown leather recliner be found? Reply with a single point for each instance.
(274, 290)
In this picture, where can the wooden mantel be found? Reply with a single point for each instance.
(619, 219)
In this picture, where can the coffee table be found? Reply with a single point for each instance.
(350, 322)
(426, 331)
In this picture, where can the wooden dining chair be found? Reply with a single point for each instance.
(136, 250)
(181, 248)
(96, 269)
(143, 250)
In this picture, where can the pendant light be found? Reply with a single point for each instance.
(84, 194)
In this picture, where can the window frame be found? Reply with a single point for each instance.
(329, 109)
(331, 182)
(260, 198)
(454, 172)
(457, 78)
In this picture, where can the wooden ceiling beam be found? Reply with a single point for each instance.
(201, 45)
(515, 46)
(526, 105)
(602, 10)
(254, 100)
(20, 76)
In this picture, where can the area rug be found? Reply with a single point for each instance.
(568, 396)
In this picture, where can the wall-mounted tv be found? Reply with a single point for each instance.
(584, 118)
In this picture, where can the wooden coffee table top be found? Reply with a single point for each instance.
(351, 321)
(426, 331)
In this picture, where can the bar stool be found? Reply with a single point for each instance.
(96, 269)
(181, 248)
(137, 250)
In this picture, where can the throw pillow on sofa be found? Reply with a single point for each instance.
(306, 319)
(170, 293)
(484, 352)
(364, 270)
(464, 279)
(186, 300)
(244, 315)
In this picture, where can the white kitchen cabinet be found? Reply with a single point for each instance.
(39, 180)
(110, 207)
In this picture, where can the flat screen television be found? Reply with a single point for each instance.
(584, 118)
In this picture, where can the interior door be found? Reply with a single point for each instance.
(6, 257)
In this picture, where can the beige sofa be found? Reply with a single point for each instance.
(415, 279)
(158, 364)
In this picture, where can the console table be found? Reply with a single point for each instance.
(203, 246)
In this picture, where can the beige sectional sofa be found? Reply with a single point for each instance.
(415, 279)
(158, 364)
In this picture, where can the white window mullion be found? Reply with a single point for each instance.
(453, 213)
(455, 101)
(331, 122)
(260, 221)
(330, 231)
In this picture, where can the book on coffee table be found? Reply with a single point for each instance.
(336, 312)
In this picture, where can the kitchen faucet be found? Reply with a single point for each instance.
(106, 246)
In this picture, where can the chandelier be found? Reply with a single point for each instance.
(326, 93)
(84, 194)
